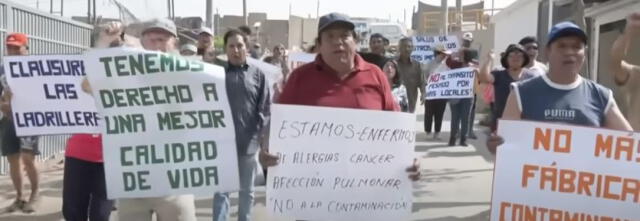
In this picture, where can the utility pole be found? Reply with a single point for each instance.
(459, 14)
(244, 12)
(95, 15)
(89, 12)
(209, 15)
(445, 18)
(169, 8)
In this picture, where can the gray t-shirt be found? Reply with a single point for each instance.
(583, 103)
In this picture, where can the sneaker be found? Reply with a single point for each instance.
(16, 205)
(436, 136)
(29, 207)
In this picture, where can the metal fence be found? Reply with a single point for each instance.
(48, 34)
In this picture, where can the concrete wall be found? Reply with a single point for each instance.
(514, 22)
(271, 32)
(302, 32)
(274, 32)
(433, 22)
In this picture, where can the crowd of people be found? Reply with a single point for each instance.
(340, 76)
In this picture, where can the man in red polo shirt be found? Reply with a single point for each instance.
(338, 77)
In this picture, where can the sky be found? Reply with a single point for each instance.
(275, 9)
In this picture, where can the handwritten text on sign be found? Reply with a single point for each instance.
(558, 172)
(340, 164)
(47, 95)
(424, 45)
(457, 83)
(167, 124)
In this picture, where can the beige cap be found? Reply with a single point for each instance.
(160, 24)
(442, 49)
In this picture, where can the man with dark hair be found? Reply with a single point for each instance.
(249, 99)
(245, 29)
(530, 44)
(254, 47)
(410, 72)
(376, 54)
(339, 78)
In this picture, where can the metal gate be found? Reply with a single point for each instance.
(48, 34)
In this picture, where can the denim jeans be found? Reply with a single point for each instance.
(460, 109)
(247, 167)
(472, 115)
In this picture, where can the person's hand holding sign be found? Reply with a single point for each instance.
(414, 170)
(266, 159)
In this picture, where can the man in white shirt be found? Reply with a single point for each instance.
(530, 44)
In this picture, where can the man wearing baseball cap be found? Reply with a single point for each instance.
(17, 149)
(157, 35)
(205, 40)
(188, 49)
(562, 95)
(339, 78)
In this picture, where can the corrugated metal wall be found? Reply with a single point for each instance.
(48, 34)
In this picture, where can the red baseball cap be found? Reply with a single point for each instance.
(17, 39)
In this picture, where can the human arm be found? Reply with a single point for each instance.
(621, 69)
(511, 112)
(614, 119)
(484, 74)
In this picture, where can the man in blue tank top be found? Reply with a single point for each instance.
(563, 95)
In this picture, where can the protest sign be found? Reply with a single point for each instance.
(456, 83)
(424, 45)
(48, 96)
(168, 128)
(340, 164)
(297, 59)
(561, 172)
(272, 73)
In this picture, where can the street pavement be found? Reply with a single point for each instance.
(455, 185)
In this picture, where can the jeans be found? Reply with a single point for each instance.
(84, 193)
(459, 119)
(434, 112)
(472, 115)
(247, 166)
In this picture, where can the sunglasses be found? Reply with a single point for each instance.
(532, 47)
